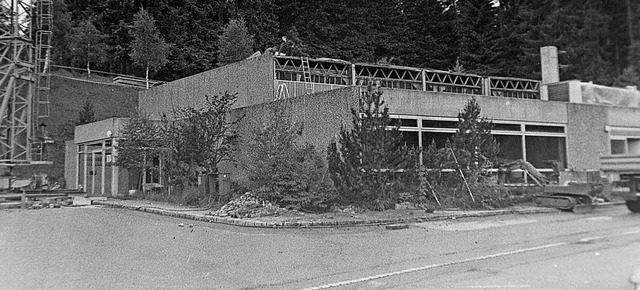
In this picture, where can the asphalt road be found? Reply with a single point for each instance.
(105, 248)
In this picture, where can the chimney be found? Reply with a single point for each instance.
(549, 64)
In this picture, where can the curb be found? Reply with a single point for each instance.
(253, 223)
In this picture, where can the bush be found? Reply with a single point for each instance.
(284, 172)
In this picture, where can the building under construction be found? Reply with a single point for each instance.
(577, 125)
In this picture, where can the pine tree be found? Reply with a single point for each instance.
(87, 115)
(149, 49)
(427, 40)
(87, 45)
(365, 162)
(473, 137)
(629, 77)
(476, 25)
(235, 42)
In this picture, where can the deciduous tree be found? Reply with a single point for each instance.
(148, 48)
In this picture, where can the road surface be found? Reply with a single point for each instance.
(105, 248)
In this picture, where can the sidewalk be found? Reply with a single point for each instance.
(318, 220)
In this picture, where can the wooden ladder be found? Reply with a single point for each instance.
(306, 71)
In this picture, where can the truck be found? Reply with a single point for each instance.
(623, 172)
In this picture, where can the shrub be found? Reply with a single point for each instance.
(283, 171)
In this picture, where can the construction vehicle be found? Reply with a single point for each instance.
(572, 191)
(623, 171)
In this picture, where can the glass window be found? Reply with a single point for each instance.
(545, 129)
(618, 147)
(439, 124)
(404, 122)
(541, 150)
(410, 138)
(510, 147)
(506, 127)
(633, 146)
(439, 138)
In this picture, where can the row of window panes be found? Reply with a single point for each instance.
(625, 146)
(444, 124)
(540, 149)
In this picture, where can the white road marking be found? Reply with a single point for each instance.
(411, 270)
(599, 218)
(427, 267)
(586, 240)
(497, 286)
(470, 226)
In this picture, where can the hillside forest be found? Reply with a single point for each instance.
(599, 39)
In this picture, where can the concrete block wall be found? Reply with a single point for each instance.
(252, 79)
(586, 136)
(322, 115)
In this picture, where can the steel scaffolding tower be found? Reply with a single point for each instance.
(24, 76)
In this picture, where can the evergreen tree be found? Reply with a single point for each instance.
(427, 39)
(577, 27)
(260, 19)
(87, 115)
(192, 27)
(60, 50)
(473, 137)
(148, 48)
(365, 163)
(476, 25)
(629, 77)
(87, 45)
(235, 43)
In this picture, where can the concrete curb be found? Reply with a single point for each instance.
(256, 223)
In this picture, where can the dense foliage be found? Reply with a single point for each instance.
(284, 171)
(141, 143)
(235, 42)
(148, 49)
(203, 136)
(457, 173)
(601, 38)
(369, 163)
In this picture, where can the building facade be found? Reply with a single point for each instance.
(572, 123)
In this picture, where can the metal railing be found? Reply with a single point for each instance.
(328, 73)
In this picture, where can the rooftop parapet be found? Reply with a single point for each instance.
(328, 74)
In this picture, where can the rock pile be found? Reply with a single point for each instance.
(246, 206)
(51, 203)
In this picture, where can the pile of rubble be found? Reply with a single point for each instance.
(51, 203)
(246, 206)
